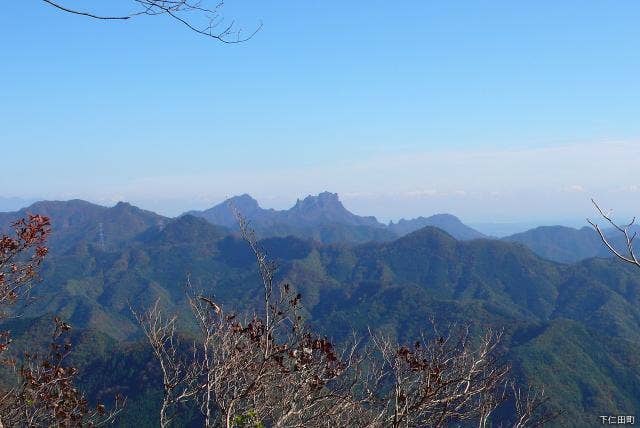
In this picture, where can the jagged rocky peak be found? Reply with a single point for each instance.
(322, 213)
(324, 201)
(326, 208)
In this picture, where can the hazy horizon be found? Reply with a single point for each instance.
(492, 227)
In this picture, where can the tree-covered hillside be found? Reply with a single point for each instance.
(574, 328)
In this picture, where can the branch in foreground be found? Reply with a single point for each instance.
(46, 394)
(87, 14)
(206, 21)
(272, 370)
(630, 255)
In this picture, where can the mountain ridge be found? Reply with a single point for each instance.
(567, 244)
(76, 219)
(446, 222)
(322, 218)
(325, 212)
(547, 309)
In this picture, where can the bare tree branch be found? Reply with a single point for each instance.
(529, 407)
(179, 378)
(46, 394)
(630, 256)
(206, 21)
(90, 15)
(271, 370)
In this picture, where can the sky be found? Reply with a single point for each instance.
(491, 110)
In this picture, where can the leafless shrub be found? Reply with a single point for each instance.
(268, 369)
(179, 377)
(529, 407)
(46, 394)
(435, 381)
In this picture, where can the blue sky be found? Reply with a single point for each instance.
(404, 109)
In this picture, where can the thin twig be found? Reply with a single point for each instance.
(624, 230)
(90, 15)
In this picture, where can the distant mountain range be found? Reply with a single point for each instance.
(324, 219)
(566, 244)
(560, 243)
(77, 220)
(447, 222)
(574, 327)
